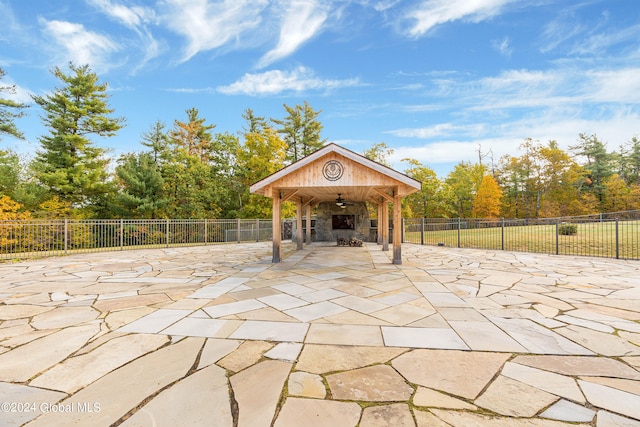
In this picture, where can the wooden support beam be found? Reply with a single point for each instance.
(308, 202)
(385, 225)
(308, 214)
(276, 230)
(288, 196)
(384, 195)
(397, 229)
(380, 221)
(299, 225)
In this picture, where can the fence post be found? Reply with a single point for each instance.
(258, 229)
(167, 233)
(617, 241)
(502, 233)
(401, 230)
(206, 240)
(66, 234)
(121, 234)
(238, 230)
(459, 225)
(422, 231)
(557, 239)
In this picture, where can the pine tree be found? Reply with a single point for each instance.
(255, 124)
(157, 140)
(301, 131)
(598, 167)
(69, 164)
(193, 135)
(9, 111)
(141, 184)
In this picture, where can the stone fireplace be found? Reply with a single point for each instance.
(333, 222)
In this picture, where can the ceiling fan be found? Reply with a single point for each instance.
(341, 202)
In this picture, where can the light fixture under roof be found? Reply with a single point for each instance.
(340, 201)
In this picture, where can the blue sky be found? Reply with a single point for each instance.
(436, 80)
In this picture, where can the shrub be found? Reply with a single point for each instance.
(567, 229)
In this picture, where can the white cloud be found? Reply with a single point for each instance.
(277, 81)
(600, 43)
(80, 45)
(431, 13)
(560, 31)
(503, 47)
(439, 130)
(616, 127)
(137, 19)
(15, 92)
(614, 86)
(208, 25)
(301, 20)
(132, 17)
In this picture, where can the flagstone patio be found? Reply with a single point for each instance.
(340, 336)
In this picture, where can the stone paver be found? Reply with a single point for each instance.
(211, 402)
(305, 384)
(513, 398)
(330, 336)
(318, 413)
(257, 400)
(463, 374)
(380, 383)
(397, 414)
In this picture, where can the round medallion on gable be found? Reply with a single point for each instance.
(333, 170)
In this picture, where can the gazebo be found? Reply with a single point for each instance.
(337, 175)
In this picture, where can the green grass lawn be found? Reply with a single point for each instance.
(591, 239)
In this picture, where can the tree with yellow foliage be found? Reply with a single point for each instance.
(488, 199)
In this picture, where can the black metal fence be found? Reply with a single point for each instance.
(611, 235)
(28, 238)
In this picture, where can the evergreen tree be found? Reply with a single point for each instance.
(69, 165)
(193, 135)
(301, 131)
(158, 141)
(255, 124)
(226, 175)
(9, 111)
(189, 177)
(599, 163)
(631, 161)
(141, 186)
(9, 172)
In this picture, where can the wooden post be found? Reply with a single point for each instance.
(299, 225)
(397, 228)
(380, 220)
(308, 214)
(276, 227)
(385, 225)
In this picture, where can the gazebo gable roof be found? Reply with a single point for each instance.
(334, 169)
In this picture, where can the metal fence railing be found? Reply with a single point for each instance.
(28, 238)
(612, 235)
